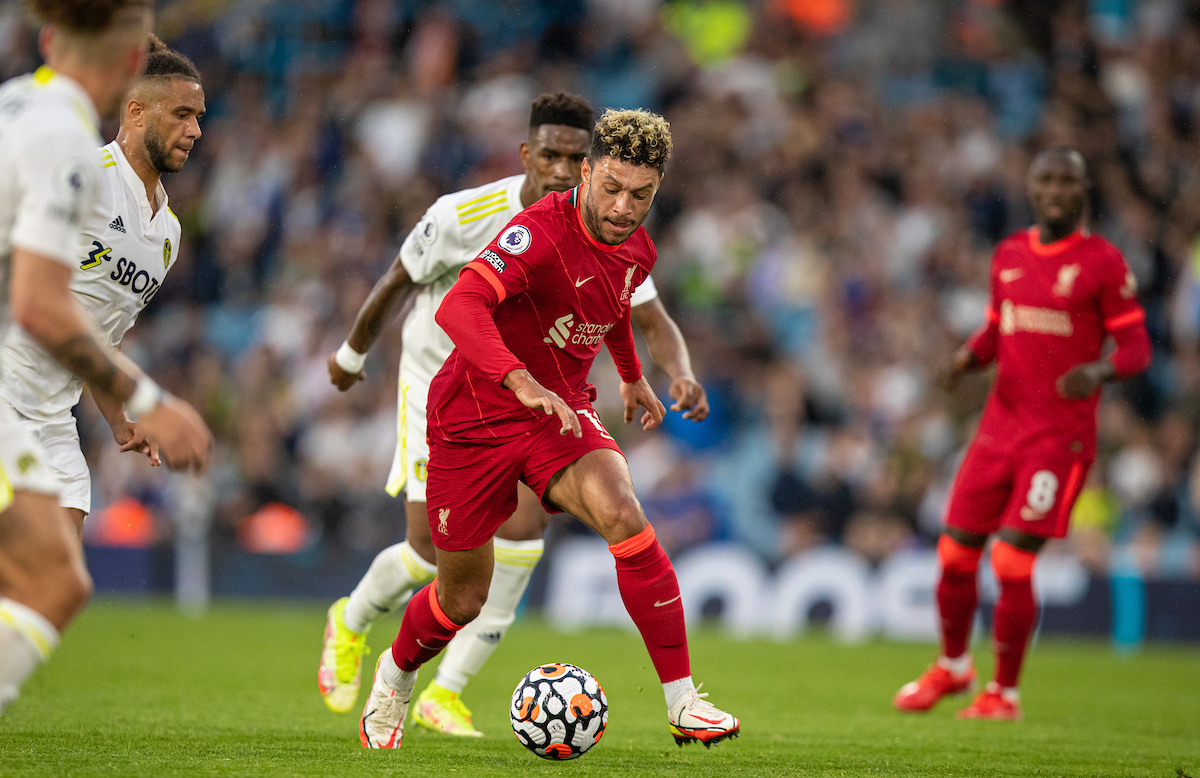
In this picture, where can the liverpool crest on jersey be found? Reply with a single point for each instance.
(625, 294)
(1066, 280)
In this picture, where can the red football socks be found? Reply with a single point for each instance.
(1015, 612)
(957, 594)
(650, 591)
(425, 631)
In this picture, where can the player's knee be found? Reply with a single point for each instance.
(624, 519)
(61, 593)
(462, 604)
(1011, 563)
(956, 558)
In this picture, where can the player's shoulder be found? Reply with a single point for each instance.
(477, 203)
(1017, 241)
(1096, 245)
(477, 212)
(539, 226)
(46, 112)
(551, 211)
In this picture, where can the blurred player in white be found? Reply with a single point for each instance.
(452, 233)
(127, 252)
(49, 175)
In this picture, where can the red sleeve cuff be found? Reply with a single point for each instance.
(488, 276)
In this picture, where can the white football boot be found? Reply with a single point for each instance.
(694, 718)
(382, 722)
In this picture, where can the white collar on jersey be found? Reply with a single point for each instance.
(135, 184)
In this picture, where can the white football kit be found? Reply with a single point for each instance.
(49, 178)
(126, 254)
(450, 234)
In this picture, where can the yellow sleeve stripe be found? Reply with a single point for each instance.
(110, 164)
(497, 209)
(481, 202)
(172, 213)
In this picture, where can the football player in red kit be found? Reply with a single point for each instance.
(512, 403)
(1057, 292)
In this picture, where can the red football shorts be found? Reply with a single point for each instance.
(472, 489)
(1030, 492)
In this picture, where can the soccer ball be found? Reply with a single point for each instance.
(558, 711)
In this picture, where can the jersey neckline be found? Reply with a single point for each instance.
(133, 182)
(1057, 247)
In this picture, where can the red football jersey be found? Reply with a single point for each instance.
(560, 293)
(1051, 308)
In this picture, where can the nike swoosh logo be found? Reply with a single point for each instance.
(583, 281)
(422, 645)
(668, 602)
(1012, 274)
(706, 721)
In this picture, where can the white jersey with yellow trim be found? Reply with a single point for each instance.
(49, 176)
(453, 231)
(128, 250)
(49, 173)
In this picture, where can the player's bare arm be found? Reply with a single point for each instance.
(44, 307)
(386, 299)
(534, 395)
(670, 352)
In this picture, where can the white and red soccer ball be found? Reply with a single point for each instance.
(558, 711)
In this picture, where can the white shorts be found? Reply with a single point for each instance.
(410, 464)
(23, 463)
(57, 443)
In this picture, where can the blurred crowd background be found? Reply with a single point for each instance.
(842, 172)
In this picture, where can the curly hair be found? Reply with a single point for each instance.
(164, 61)
(561, 108)
(83, 16)
(639, 137)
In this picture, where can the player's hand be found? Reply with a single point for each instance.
(1083, 380)
(949, 374)
(689, 397)
(640, 393)
(534, 395)
(340, 378)
(178, 434)
(130, 438)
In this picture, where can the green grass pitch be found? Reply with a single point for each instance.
(139, 690)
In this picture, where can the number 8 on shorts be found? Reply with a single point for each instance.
(1043, 488)
(1043, 499)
